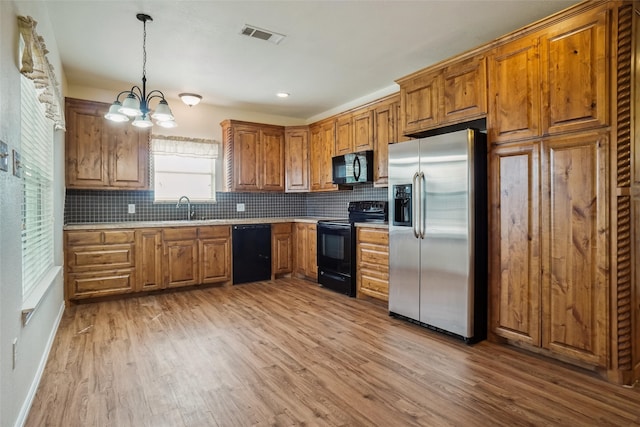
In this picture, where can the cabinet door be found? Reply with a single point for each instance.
(272, 158)
(281, 249)
(180, 263)
(575, 241)
(464, 90)
(86, 148)
(514, 89)
(297, 160)
(385, 132)
(128, 155)
(419, 98)
(149, 259)
(574, 64)
(515, 242)
(215, 260)
(328, 139)
(344, 134)
(246, 158)
(316, 162)
(301, 252)
(363, 130)
(312, 250)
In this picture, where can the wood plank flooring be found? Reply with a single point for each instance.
(288, 352)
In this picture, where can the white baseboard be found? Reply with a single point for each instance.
(26, 406)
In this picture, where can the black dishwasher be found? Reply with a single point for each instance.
(251, 253)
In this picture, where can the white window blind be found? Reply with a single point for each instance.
(183, 167)
(37, 176)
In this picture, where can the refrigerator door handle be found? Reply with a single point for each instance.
(415, 206)
(423, 207)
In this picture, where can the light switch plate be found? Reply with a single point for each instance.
(131, 208)
(4, 156)
(17, 164)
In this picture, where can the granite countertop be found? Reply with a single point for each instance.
(383, 225)
(185, 223)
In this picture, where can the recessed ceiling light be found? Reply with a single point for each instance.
(282, 95)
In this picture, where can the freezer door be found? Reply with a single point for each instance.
(404, 247)
(446, 288)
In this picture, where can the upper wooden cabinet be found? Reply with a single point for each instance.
(322, 146)
(574, 73)
(386, 130)
(344, 134)
(514, 91)
(550, 82)
(355, 131)
(253, 156)
(439, 96)
(296, 143)
(101, 154)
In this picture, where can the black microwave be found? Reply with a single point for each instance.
(353, 168)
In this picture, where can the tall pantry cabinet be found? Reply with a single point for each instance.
(557, 283)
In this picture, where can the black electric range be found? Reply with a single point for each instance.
(337, 245)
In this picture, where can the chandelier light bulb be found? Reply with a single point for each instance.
(142, 122)
(114, 113)
(162, 112)
(131, 106)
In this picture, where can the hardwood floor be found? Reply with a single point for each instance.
(288, 352)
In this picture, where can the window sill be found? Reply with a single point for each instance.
(30, 305)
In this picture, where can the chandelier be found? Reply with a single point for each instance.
(136, 105)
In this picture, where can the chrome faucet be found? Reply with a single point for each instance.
(189, 213)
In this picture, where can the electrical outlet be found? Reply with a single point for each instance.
(132, 208)
(239, 207)
(15, 353)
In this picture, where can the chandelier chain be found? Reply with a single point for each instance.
(144, 49)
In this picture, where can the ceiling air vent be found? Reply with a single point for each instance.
(262, 34)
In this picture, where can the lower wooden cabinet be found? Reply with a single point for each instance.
(549, 273)
(305, 255)
(372, 263)
(112, 262)
(215, 254)
(281, 249)
(99, 263)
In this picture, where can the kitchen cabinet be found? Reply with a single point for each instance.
(322, 147)
(344, 134)
(214, 243)
(281, 249)
(305, 259)
(103, 155)
(574, 73)
(99, 263)
(296, 142)
(180, 256)
(568, 94)
(372, 263)
(549, 274)
(444, 95)
(253, 156)
(149, 259)
(385, 132)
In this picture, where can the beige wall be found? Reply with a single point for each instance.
(17, 386)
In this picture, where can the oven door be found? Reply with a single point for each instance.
(334, 247)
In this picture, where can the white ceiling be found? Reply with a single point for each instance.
(334, 52)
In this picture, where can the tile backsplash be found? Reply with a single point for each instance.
(99, 206)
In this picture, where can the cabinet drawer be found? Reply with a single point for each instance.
(373, 255)
(282, 228)
(374, 287)
(180, 233)
(87, 285)
(92, 257)
(77, 238)
(373, 235)
(214, 232)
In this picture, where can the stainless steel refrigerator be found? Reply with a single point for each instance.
(438, 232)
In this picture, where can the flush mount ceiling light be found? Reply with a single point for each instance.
(282, 95)
(190, 99)
(137, 102)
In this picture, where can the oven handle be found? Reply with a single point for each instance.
(415, 205)
(345, 227)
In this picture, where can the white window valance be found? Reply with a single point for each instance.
(180, 146)
(35, 66)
